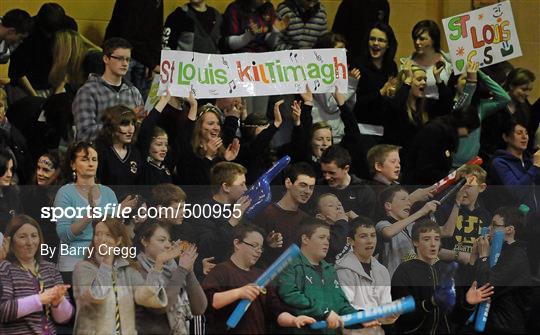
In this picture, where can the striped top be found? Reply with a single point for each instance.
(302, 32)
(18, 283)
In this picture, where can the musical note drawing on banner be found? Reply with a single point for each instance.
(318, 57)
(193, 90)
(193, 57)
(297, 86)
(316, 84)
(225, 62)
(293, 57)
(232, 85)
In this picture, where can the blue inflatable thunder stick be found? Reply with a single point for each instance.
(495, 251)
(264, 279)
(401, 306)
(260, 193)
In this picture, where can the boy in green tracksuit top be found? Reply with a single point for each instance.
(309, 285)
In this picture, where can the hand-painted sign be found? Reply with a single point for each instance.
(253, 74)
(487, 35)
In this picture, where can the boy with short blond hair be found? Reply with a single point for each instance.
(464, 216)
(384, 163)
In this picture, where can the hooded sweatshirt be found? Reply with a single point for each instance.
(364, 290)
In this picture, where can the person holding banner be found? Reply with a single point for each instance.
(430, 282)
(233, 280)
(465, 86)
(511, 303)
(202, 141)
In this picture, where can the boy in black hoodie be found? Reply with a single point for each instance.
(431, 284)
(511, 303)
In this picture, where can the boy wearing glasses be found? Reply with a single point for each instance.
(511, 277)
(233, 280)
(107, 90)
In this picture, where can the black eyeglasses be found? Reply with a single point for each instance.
(254, 247)
(121, 58)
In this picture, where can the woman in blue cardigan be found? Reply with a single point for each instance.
(75, 231)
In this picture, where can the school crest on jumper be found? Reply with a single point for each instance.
(133, 168)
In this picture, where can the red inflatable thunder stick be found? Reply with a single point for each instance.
(451, 179)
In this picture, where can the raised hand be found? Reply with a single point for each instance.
(278, 120)
(307, 96)
(536, 158)
(163, 101)
(208, 265)
(191, 100)
(296, 112)
(355, 73)
(339, 97)
(476, 295)
(130, 201)
(232, 150)
(163, 258)
(241, 205)
(188, 257)
(212, 147)
(437, 70)
(274, 240)
(407, 69)
(472, 71)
